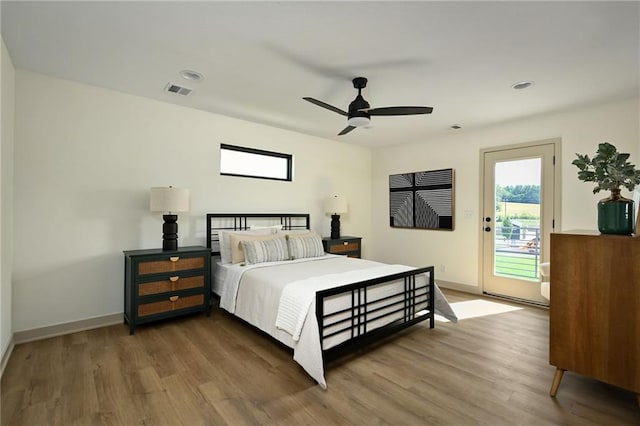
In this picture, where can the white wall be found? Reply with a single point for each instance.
(580, 130)
(7, 79)
(85, 158)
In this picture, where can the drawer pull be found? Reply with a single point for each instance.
(345, 243)
(174, 298)
(174, 258)
(174, 279)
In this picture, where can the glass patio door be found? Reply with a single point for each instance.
(518, 197)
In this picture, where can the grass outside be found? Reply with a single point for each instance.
(516, 266)
(513, 209)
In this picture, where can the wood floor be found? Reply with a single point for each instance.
(490, 370)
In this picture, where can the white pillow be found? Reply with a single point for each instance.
(303, 246)
(225, 241)
(295, 232)
(271, 250)
(275, 228)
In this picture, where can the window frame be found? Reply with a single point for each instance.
(262, 152)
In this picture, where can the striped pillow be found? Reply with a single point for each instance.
(303, 246)
(261, 251)
(237, 253)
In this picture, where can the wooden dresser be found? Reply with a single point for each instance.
(595, 308)
(349, 246)
(161, 284)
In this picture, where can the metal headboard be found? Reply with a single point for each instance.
(243, 221)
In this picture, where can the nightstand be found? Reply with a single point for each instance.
(161, 284)
(346, 245)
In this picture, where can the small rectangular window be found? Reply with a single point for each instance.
(255, 163)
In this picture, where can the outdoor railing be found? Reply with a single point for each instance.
(517, 253)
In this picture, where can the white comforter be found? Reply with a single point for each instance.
(256, 297)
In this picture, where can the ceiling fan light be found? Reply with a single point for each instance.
(359, 121)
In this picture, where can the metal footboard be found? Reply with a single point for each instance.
(369, 317)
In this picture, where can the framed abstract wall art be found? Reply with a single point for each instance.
(421, 200)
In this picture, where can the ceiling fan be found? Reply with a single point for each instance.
(360, 112)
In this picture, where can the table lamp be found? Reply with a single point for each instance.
(169, 201)
(334, 205)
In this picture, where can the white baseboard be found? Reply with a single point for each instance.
(66, 328)
(6, 355)
(459, 287)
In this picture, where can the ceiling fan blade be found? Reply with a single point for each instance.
(326, 105)
(346, 130)
(399, 110)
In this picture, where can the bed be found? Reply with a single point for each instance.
(270, 272)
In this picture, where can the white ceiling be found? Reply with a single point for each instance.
(260, 58)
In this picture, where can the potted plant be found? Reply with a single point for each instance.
(610, 170)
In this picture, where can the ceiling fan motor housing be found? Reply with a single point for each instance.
(355, 108)
(356, 117)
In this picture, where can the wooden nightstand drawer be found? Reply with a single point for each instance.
(349, 246)
(344, 247)
(172, 303)
(170, 264)
(170, 284)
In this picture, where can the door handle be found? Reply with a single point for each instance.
(487, 219)
(487, 229)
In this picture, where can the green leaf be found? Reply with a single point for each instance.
(609, 169)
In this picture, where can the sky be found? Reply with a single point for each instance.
(518, 172)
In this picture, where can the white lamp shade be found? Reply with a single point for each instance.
(334, 204)
(169, 200)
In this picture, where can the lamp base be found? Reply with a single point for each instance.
(335, 226)
(170, 232)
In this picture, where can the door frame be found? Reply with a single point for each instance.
(557, 187)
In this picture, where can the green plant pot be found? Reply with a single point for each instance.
(615, 215)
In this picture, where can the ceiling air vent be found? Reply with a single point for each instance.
(174, 88)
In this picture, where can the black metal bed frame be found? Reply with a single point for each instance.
(416, 303)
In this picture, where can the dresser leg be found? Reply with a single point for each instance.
(557, 378)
